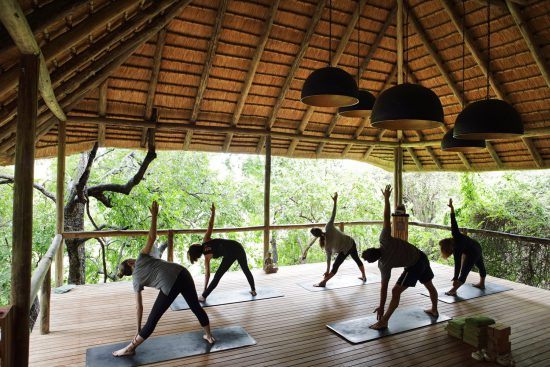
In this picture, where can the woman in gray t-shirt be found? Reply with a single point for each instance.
(169, 278)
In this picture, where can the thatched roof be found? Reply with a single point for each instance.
(217, 72)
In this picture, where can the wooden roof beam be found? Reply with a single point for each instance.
(293, 69)
(329, 131)
(252, 71)
(534, 152)
(222, 7)
(414, 157)
(157, 58)
(102, 111)
(372, 146)
(13, 19)
(362, 68)
(529, 40)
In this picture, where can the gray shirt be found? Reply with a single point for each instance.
(152, 272)
(396, 253)
(336, 241)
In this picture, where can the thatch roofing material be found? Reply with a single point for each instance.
(184, 54)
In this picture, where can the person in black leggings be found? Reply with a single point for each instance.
(229, 250)
(466, 252)
(170, 278)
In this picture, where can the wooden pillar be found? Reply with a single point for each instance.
(60, 196)
(170, 256)
(397, 177)
(342, 227)
(6, 354)
(45, 294)
(267, 192)
(22, 207)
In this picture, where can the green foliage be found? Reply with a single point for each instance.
(185, 184)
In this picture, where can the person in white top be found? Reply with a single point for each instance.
(334, 241)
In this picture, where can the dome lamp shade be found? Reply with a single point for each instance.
(361, 109)
(330, 87)
(407, 107)
(450, 144)
(488, 119)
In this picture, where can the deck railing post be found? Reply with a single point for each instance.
(60, 195)
(267, 192)
(45, 294)
(27, 103)
(6, 354)
(170, 256)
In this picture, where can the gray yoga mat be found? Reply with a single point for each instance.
(168, 347)
(468, 291)
(223, 298)
(337, 282)
(358, 331)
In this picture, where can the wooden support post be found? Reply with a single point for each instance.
(170, 256)
(342, 227)
(6, 354)
(400, 226)
(27, 104)
(60, 196)
(267, 192)
(45, 294)
(398, 177)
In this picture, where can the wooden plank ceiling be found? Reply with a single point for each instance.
(222, 74)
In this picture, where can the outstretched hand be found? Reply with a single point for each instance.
(450, 205)
(387, 191)
(335, 196)
(154, 209)
(213, 208)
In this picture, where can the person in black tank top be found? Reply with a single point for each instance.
(229, 250)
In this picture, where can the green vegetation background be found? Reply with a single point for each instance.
(186, 183)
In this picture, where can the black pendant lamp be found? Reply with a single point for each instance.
(450, 144)
(407, 107)
(329, 86)
(366, 98)
(489, 118)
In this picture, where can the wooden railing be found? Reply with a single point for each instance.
(5, 336)
(44, 266)
(289, 227)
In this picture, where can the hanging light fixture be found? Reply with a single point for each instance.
(366, 98)
(489, 118)
(449, 143)
(330, 86)
(407, 107)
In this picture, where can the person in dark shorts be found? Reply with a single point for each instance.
(396, 253)
(466, 252)
(169, 278)
(229, 250)
(333, 241)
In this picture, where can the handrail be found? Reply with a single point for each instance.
(279, 227)
(43, 266)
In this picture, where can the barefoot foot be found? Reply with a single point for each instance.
(126, 351)
(451, 293)
(209, 338)
(380, 325)
(253, 293)
(202, 299)
(364, 279)
(479, 286)
(320, 285)
(432, 312)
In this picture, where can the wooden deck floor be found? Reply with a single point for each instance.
(290, 331)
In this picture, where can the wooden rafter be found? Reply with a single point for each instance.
(357, 134)
(102, 111)
(529, 40)
(293, 69)
(414, 157)
(252, 71)
(334, 62)
(157, 58)
(371, 147)
(533, 151)
(206, 70)
(13, 19)
(329, 131)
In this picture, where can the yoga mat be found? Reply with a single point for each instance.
(168, 347)
(224, 298)
(357, 330)
(337, 282)
(468, 291)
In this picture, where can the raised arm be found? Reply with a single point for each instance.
(304, 254)
(333, 215)
(154, 209)
(208, 234)
(455, 231)
(387, 193)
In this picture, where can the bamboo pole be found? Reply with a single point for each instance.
(60, 196)
(267, 194)
(22, 207)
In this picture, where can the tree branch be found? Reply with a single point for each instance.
(6, 179)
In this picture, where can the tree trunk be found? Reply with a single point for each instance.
(74, 221)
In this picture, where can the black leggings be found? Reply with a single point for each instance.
(468, 264)
(184, 284)
(228, 260)
(342, 256)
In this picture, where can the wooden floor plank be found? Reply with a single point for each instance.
(290, 331)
